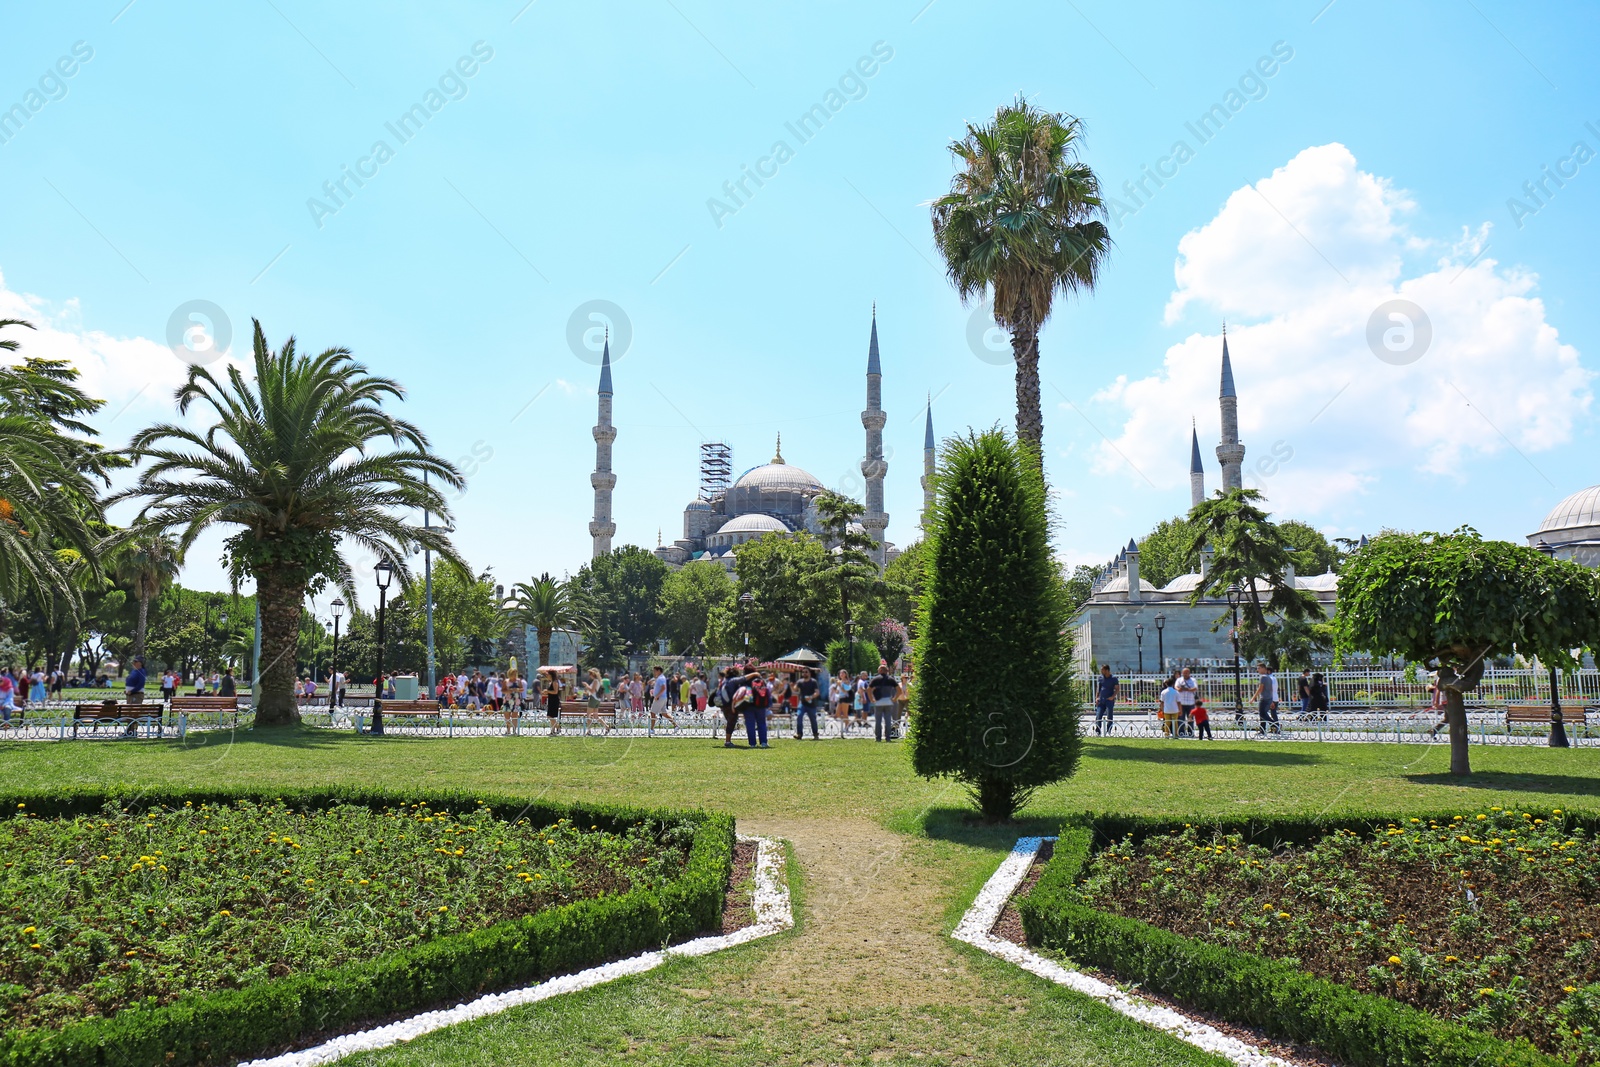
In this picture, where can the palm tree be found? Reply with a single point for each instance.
(147, 563)
(295, 460)
(1023, 221)
(546, 605)
(49, 503)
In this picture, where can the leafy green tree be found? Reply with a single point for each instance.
(299, 458)
(992, 706)
(791, 602)
(849, 570)
(1311, 552)
(1167, 552)
(1080, 587)
(688, 597)
(902, 583)
(1454, 601)
(545, 606)
(1023, 220)
(146, 563)
(49, 497)
(619, 595)
(1250, 554)
(864, 657)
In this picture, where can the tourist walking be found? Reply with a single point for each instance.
(37, 692)
(727, 698)
(698, 693)
(755, 709)
(552, 701)
(807, 691)
(659, 687)
(863, 698)
(1188, 692)
(1169, 709)
(884, 687)
(133, 684)
(1105, 698)
(1319, 696)
(1267, 699)
(843, 697)
(230, 688)
(1202, 721)
(1303, 686)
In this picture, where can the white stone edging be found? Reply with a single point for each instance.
(979, 920)
(773, 914)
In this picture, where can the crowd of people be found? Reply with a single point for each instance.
(1183, 712)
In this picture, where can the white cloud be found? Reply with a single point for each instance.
(1298, 263)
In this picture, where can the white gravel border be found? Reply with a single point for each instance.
(979, 920)
(773, 914)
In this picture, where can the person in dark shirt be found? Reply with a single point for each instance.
(133, 684)
(809, 692)
(732, 682)
(883, 688)
(1105, 698)
(228, 688)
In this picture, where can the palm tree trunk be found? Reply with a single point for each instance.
(544, 645)
(144, 619)
(1025, 350)
(280, 599)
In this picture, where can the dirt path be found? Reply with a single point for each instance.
(873, 919)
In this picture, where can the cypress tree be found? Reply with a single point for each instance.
(993, 705)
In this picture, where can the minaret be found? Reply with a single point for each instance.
(873, 467)
(1230, 453)
(602, 528)
(927, 466)
(1197, 469)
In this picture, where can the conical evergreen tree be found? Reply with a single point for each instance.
(993, 706)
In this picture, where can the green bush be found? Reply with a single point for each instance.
(1358, 1029)
(866, 659)
(236, 1024)
(993, 707)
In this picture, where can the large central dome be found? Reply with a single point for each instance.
(1578, 510)
(777, 475)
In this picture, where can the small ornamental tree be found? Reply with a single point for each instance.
(1452, 601)
(992, 705)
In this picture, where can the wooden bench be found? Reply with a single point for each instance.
(1540, 714)
(113, 711)
(579, 711)
(407, 709)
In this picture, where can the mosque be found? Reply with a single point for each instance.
(775, 497)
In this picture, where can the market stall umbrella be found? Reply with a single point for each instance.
(803, 656)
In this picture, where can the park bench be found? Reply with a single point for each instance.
(578, 711)
(182, 705)
(1540, 714)
(114, 712)
(407, 709)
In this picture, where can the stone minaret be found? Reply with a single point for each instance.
(1230, 453)
(602, 528)
(927, 466)
(1197, 470)
(873, 467)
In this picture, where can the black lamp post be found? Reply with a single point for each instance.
(1558, 732)
(850, 636)
(1238, 696)
(745, 600)
(1161, 646)
(384, 573)
(1138, 634)
(337, 607)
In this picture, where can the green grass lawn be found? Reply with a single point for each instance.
(884, 864)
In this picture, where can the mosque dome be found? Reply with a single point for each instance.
(1579, 510)
(754, 523)
(778, 476)
(1183, 583)
(698, 505)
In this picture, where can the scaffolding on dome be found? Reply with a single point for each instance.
(716, 469)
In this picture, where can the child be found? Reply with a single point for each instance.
(1202, 721)
(1169, 711)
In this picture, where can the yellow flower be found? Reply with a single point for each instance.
(225, 911)
(36, 945)
(131, 952)
(443, 909)
(1482, 817)
(1283, 915)
(29, 929)
(1569, 989)
(1394, 959)
(1485, 992)
(1450, 959)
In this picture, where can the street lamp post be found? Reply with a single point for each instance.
(745, 600)
(1238, 695)
(1161, 646)
(1558, 732)
(384, 573)
(1138, 635)
(850, 636)
(337, 607)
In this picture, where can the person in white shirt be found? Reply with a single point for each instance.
(658, 700)
(1188, 689)
(1169, 711)
(1267, 698)
(336, 689)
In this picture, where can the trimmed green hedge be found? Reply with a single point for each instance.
(1359, 1029)
(239, 1023)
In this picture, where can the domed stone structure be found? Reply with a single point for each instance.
(1573, 528)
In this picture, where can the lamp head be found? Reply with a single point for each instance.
(1161, 621)
(1138, 628)
(385, 572)
(337, 607)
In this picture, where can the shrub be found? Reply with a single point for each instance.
(993, 706)
(866, 658)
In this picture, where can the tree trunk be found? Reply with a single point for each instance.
(1025, 350)
(138, 633)
(1455, 685)
(280, 600)
(544, 645)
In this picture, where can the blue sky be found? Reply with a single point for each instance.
(577, 159)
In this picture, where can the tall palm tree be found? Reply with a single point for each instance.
(547, 606)
(147, 563)
(296, 460)
(49, 503)
(1022, 221)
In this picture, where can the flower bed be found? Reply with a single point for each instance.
(199, 926)
(1446, 940)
